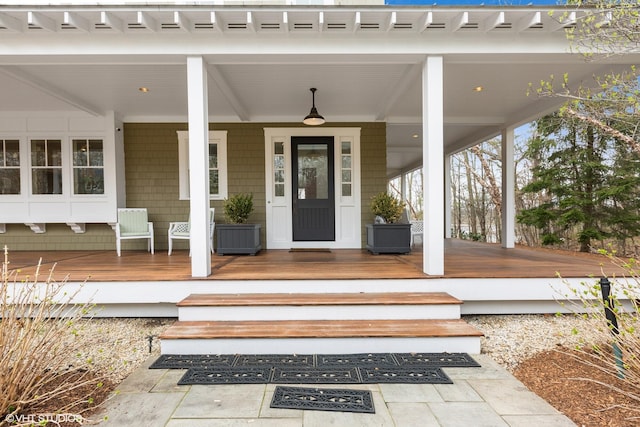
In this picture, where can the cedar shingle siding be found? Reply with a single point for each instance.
(151, 167)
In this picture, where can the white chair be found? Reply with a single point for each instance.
(417, 229)
(133, 223)
(181, 230)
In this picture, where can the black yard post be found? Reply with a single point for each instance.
(612, 323)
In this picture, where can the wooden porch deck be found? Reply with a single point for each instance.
(463, 259)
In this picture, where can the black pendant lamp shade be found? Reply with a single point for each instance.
(313, 118)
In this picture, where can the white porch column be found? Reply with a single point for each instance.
(198, 166)
(508, 189)
(433, 161)
(448, 197)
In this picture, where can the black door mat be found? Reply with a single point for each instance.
(404, 375)
(399, 368)
(186, 361)
(361, 359)
(213, 375)
(283, 360)
(319, 399)
(321, 375)
(444, 360)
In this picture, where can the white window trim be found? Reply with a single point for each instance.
(217, 137)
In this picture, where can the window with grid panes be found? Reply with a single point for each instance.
(46, 166)
(88, 166)
(347, 168)
(9, 166)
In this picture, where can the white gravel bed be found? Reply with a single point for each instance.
(117, 347)
(511, 339)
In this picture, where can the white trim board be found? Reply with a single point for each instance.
(279, 229)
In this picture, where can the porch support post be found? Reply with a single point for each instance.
(198, 166)
(508, 189)
(432, 153)
(448, 197)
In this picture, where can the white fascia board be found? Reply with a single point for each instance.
(280, 45)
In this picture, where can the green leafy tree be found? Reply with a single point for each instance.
(587, 182)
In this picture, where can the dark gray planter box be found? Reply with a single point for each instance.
(389, 238)
(238, 239)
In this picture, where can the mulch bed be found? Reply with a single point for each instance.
(561, 380)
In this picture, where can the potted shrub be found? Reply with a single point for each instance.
(388, 234)
(236, 236)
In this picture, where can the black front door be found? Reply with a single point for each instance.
(313, 189)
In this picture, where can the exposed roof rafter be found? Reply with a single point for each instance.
(397, 91)
(227, 91)
(10, 23)
(19, 74)
(38, 21)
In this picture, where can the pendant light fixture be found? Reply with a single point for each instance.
(313, 118)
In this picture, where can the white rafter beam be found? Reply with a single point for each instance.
(495, 21)
(392, 20)
(10, 23)
(108, 21)
(397, 91)
(227, 91)
(530, 21)
(250, 25)
(41, 85)
(37, 21)
(179, 22)
(460, 21)
(73, 21)
(144, 21)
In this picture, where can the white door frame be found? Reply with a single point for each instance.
(279, 229)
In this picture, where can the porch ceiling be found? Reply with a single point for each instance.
(366, 64)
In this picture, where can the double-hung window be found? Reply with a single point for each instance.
(217, 161)
(46, 166)
(88, 166)
(9, 166)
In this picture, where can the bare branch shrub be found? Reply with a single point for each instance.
(39, 355)
(612, 345)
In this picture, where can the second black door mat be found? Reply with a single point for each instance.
(319, 375)
(323, 399)
(186, 361)
(399, 368)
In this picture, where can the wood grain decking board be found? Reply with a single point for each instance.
(309, 299)
(319, 329)
(463, 259)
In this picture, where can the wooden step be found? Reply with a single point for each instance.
(320, 336)
(306, 299)
(319, 329)
(317, 306)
